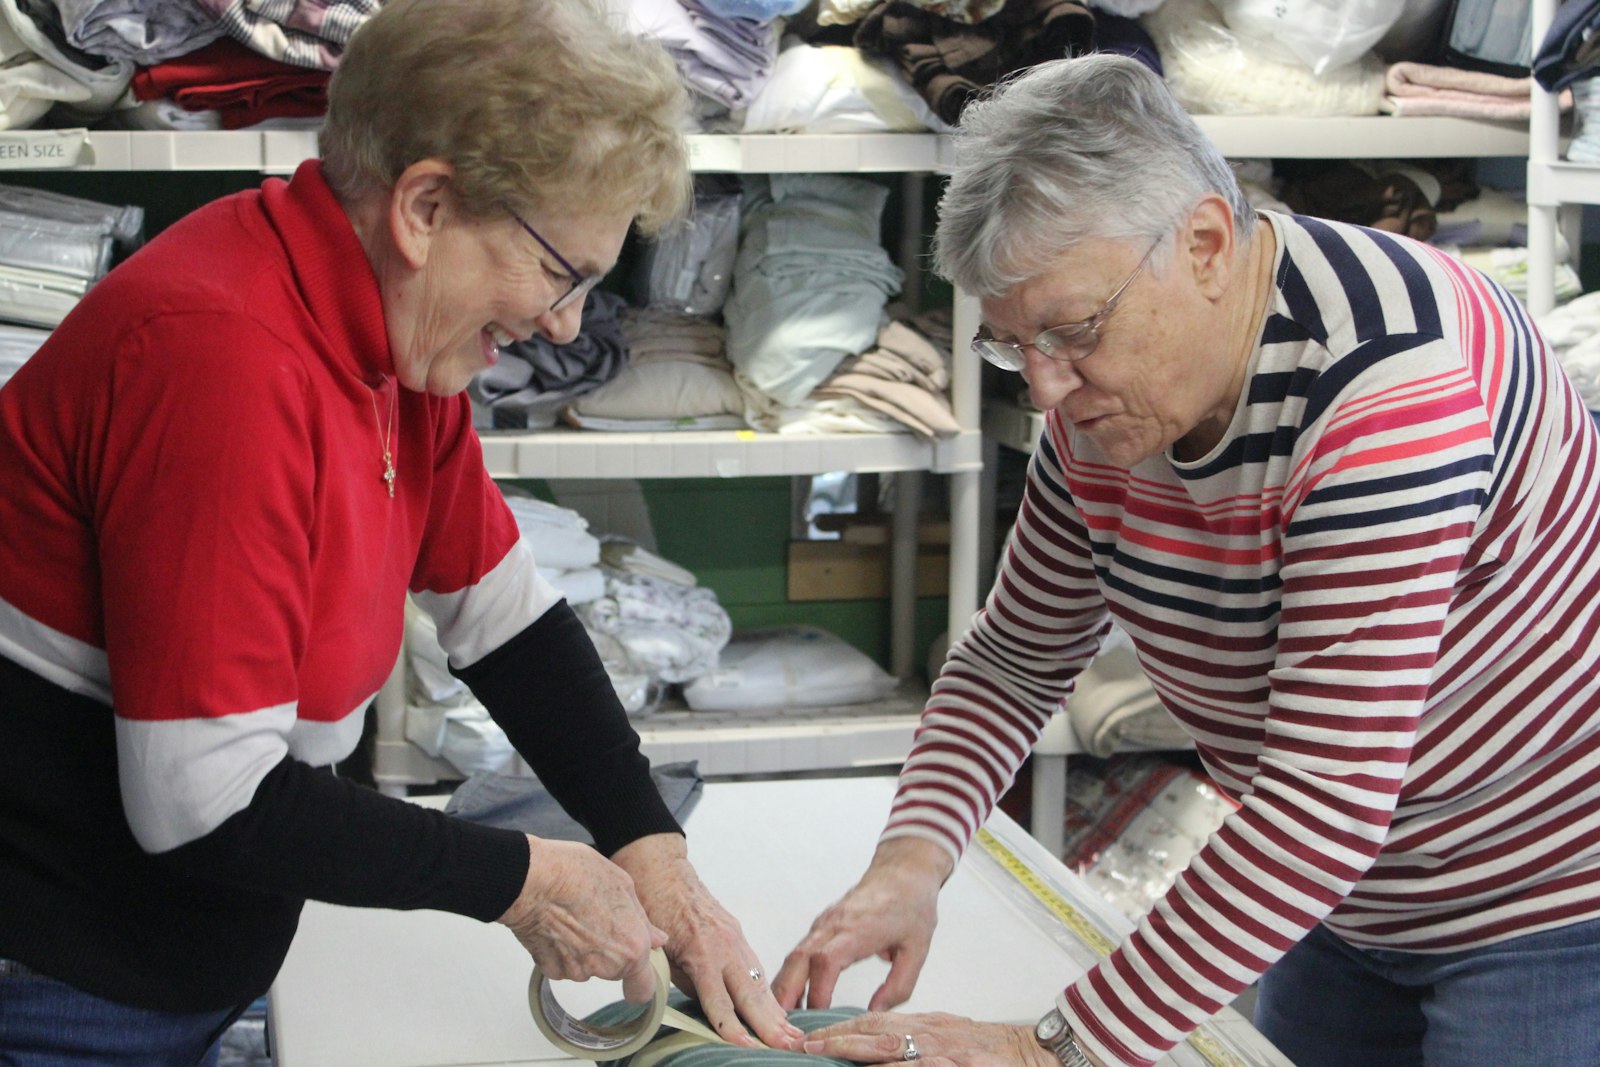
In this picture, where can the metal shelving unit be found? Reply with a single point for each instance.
(801, 741)
(1552, 181)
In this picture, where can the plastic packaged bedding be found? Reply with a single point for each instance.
(788, 667)
(17, 346)
(1214, 71)
(62, 234)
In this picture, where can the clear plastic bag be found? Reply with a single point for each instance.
(1321, 34)
(62, 234)
(1213, 70)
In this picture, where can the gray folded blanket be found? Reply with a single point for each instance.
(523, 804)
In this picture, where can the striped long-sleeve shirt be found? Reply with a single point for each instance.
(1373, 605)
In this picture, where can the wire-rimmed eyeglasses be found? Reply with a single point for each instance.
(1069, 342)
(578, 284)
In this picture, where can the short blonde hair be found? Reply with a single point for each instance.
(537, 104)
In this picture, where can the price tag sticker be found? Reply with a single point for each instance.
(44, 149)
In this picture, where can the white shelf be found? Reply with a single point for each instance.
(1554, 183)
(787, 153)
(280, 151)
(837, 738)
(794, 739)
(564, 453)
(1362, 137)
(1012, 424)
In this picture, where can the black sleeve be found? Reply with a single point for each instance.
(548, 690)
(310, 834)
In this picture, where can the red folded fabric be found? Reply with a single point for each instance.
(242, 86)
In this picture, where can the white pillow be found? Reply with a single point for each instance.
(787, 666)
(664, 389)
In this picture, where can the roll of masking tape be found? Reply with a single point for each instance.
(591, 1041)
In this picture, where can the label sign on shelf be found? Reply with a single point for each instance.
(40, 149)
(710, 153)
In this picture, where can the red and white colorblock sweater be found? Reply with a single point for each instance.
(202, 577)
(1374, 607)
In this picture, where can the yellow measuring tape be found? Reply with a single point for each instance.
(1087, 932)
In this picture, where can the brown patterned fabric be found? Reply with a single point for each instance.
(1378, 197)
(950, 62)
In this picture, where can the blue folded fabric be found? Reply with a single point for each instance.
(1570, 51)
(523, 804)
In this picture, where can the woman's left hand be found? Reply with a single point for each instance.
(940, 1040)
(710, 958)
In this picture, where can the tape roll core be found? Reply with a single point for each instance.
(593, 1041)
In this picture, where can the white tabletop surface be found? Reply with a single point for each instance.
(429, 989)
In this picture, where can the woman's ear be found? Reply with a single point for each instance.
(1209, 244)
(419, 204)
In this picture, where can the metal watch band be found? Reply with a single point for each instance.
(1067, 1050)
(1064, 1045)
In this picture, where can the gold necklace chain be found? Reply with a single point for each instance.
(385, 436)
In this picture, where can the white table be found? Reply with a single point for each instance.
(427, 989)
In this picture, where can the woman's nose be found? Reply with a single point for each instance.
(1050, 381)
(561, 325)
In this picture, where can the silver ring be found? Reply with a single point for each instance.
(911, 1052)
(755, 974)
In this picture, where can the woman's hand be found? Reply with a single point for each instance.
(579, 918)
(711, 960)
(940, 1040)
(890, 913)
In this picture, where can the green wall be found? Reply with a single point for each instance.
(733, 533)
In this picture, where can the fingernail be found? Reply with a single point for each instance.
(813, 1047)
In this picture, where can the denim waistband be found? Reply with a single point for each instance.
(12, 969)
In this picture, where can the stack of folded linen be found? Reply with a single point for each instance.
(655, 618)
(677, 378)
(565, 552)
(1427, 89)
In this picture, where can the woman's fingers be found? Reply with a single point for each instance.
(579, 918)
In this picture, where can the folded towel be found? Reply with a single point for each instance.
(1427, 89)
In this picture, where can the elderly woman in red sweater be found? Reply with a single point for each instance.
(220, 478)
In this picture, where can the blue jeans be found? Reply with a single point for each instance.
(1532, 1001)
(46, 1023)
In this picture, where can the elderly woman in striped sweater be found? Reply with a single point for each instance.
(1344, 500)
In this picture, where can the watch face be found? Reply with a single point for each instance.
(1050, 1026)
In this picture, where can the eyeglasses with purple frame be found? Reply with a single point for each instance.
(580, 284)
(1067, 343)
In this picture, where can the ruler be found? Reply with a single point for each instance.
(1208, 1046)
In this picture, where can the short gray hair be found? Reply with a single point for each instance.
(1092, 147)
(538, 105)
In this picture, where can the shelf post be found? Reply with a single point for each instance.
(1543, 147)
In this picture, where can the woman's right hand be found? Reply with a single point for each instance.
(579, 917)
(890, 913)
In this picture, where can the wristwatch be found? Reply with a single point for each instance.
(1058, 1040)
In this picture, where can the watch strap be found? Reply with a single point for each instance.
(1064, 1045)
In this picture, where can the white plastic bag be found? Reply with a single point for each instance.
(788, 666)
(1321, 34)
(1214, 70)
